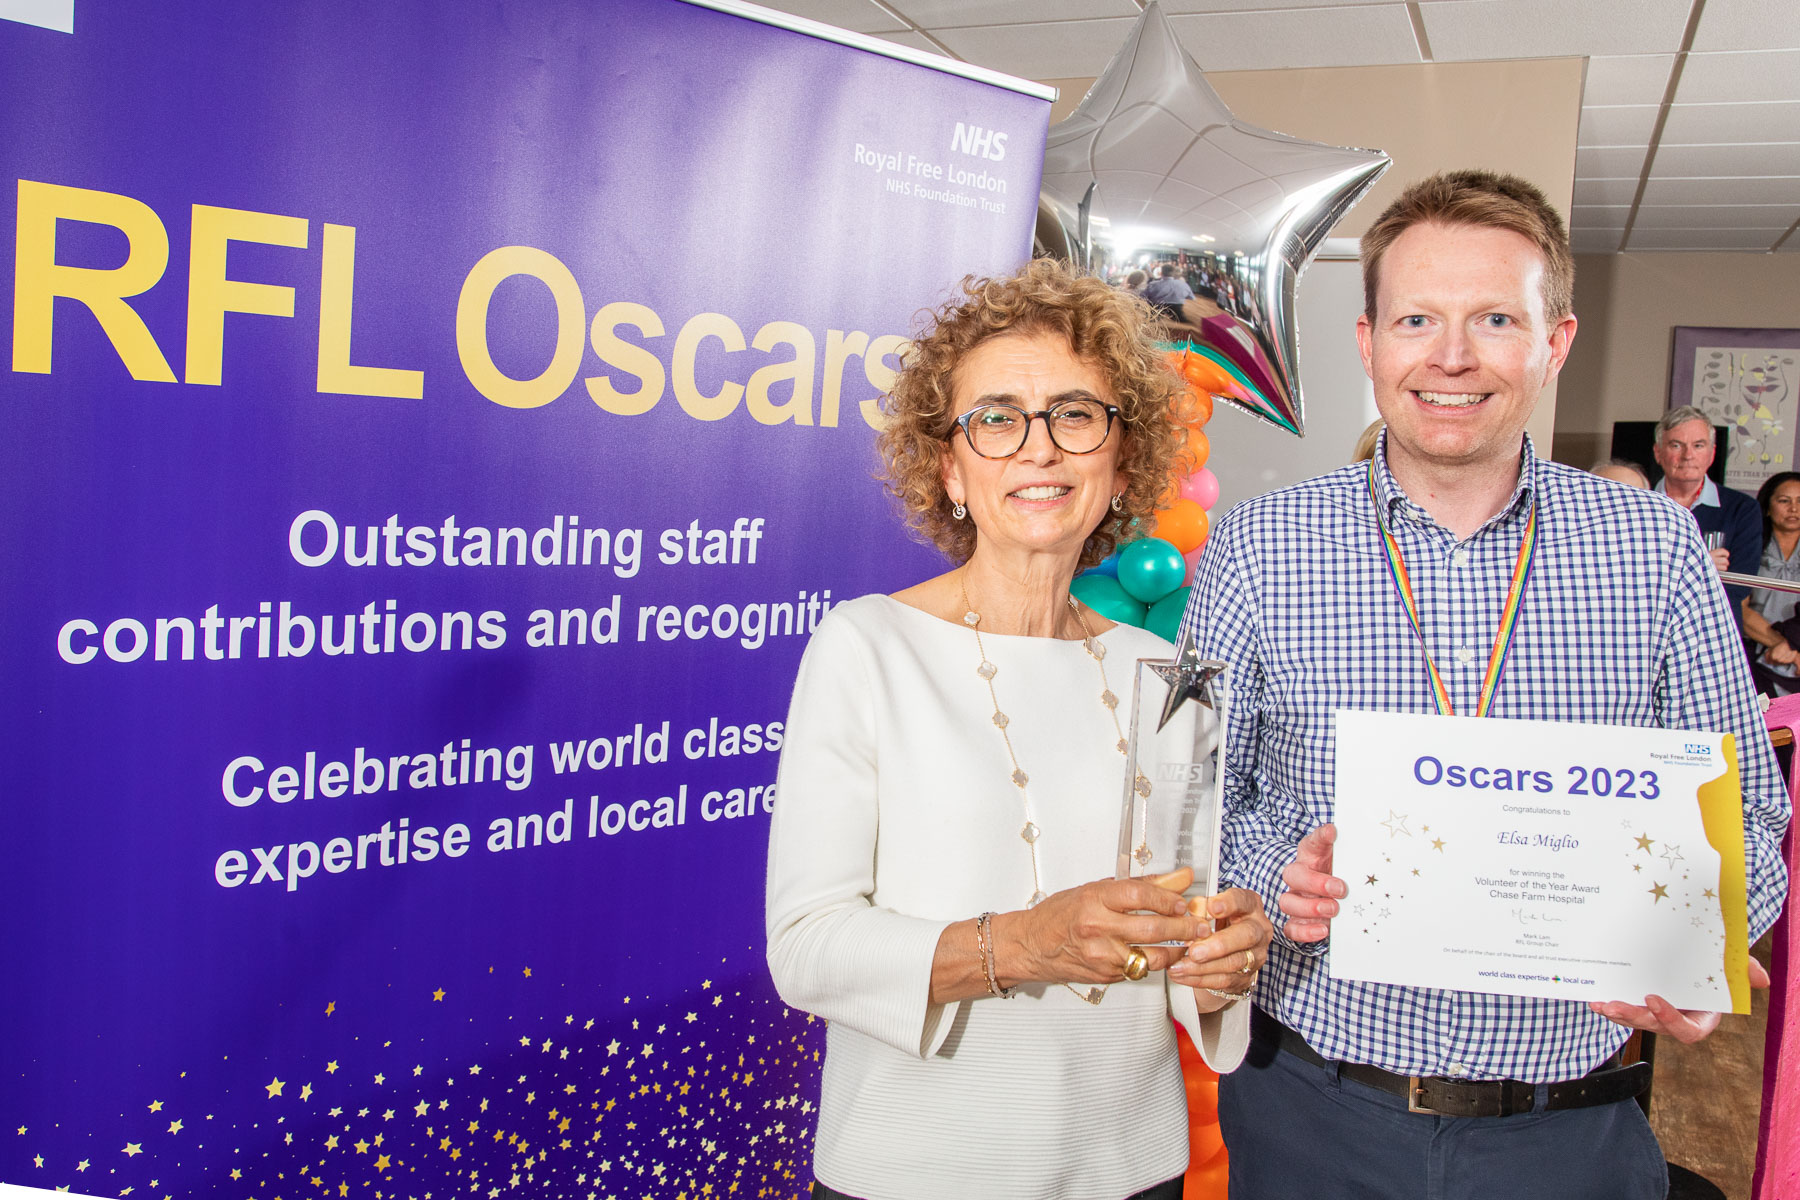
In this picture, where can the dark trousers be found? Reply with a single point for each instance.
(1296, 1130)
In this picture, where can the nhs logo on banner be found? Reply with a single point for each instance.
(51, 14)
(977, 142)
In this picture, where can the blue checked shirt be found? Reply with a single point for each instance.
(1624, 622)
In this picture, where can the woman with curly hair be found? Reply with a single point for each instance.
(947, 807)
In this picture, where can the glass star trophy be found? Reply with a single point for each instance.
(1175, 769)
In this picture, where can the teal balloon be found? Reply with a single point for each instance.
(1165, 615)
(1151, 569)
(1103, 594)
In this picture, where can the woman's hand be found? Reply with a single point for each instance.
(1086, 934)
(1228, 960)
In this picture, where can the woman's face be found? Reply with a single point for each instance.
(1784, 507)
(1042, 499)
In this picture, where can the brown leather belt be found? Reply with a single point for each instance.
(1608, 1083)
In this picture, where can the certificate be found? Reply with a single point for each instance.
(1540, 858)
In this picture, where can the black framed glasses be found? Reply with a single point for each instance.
(1000, 430)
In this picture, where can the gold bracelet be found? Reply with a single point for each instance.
(984, 942)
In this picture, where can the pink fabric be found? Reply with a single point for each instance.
(1778, 1134)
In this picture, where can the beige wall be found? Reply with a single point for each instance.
(1514, 116)
(1628, 304)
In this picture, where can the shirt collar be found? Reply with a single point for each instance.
(1391, 496)
(1709, 491)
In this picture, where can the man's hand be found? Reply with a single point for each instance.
(1657, 1015)
(1721, 559)
(1782, 655)
(1313, 891)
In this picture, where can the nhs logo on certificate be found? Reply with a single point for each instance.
(1540, 858)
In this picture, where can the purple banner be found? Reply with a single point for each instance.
(431, 433)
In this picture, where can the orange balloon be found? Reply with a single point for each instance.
(1199, 448)
(1199, 409)
(1208, 1161)
(1209, 1180)
(1182, 524)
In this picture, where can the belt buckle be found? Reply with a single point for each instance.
(1414, 1088)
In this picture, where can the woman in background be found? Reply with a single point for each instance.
(1768, 614)
(947, 813)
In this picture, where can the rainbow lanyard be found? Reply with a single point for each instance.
(1509, 616)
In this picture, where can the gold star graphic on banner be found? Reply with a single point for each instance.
(176, 1126)
(274, 1086)
(438, 994)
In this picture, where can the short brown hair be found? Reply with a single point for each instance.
(1487, 200)
(1110, 329)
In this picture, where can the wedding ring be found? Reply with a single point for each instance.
(1137, 964)
(1249, 962)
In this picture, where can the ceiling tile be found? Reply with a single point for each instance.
(1606, 191)
(1609, 162)
(1692, 124)
(1702, 239)
(1475, 29)
(1172, 7)
(1052, 50)
(1723, 216)
(935, 14)
(1750, 76)
(1624, 125)
(1316, 37)
(859, 16)
(1776, 158)
(1594, 241)
(917, 41)
(1599, 216)
(1779, 189)
(1627, 78)
(1748, 25)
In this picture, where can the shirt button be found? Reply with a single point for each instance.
(1465, 655)
(1458, 1069)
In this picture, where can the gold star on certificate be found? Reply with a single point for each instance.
(1396, 824)
(1644, 842)
(1437, 844)
(1708, 893)
(1371, 881)
(274, 1086)
(1660, 893)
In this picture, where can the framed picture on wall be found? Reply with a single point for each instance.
(1745, 379)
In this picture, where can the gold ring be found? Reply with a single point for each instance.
(1249, 962)
(1137, 964)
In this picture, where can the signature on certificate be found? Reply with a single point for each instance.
(1535, 916)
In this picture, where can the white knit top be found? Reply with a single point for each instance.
(895, 816)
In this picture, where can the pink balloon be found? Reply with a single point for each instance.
(1202, 487)
(1192, 559)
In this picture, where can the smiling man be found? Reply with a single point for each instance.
(1357, 590)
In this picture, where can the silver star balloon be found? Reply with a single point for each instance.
(1189, 677)
(1152, 166)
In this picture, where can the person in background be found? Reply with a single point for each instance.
(1769, 614)
(941, 856)
(1414, 1093)
(1134, 282)
(1365, 441)
(1168, 288)
(1621, 470)
(1727, 518)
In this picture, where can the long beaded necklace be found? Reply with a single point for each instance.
(1029, 833)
